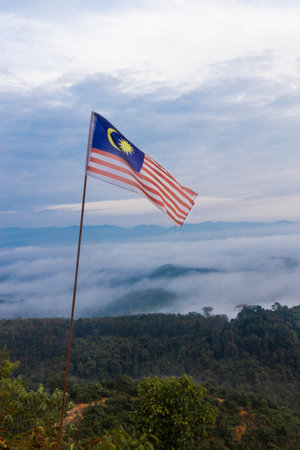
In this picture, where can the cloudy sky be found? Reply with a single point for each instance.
(209, 88)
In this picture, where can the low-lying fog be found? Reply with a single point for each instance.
(38, 281)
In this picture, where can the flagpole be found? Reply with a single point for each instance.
(74, 295)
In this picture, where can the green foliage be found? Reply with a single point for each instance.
(169, 413)
(247, 421)
(27, 418)
(102, 418)
(120, 440)
(257, 351)
(173, 409)
(85, 393)
(244, 421)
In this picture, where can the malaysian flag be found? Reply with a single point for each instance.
(113, 158)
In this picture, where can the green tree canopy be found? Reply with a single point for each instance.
(174, 410)
(27, 418)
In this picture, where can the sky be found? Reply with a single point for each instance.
(210, 89)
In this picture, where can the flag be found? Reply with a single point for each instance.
(113, 158)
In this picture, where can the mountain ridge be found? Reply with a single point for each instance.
(18, 236)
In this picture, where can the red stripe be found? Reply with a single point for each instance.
(150, 160)
(102, 152)
(101, 162)
(113, 176)
(192, 193)
(161, 169)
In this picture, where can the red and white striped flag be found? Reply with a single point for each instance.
(112, 158)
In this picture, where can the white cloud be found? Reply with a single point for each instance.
(266, 209)
(253, 209)
(174, 42)
(107, 207)
(38, 282)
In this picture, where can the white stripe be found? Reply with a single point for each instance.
(115, 182)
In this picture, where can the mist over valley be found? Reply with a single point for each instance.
(149, 269)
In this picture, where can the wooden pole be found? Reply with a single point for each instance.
(74, 299)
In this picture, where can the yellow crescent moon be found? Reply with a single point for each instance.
(109, 131)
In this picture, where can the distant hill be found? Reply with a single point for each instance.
(171, 271)
(141, 301)
(168, 271)
(149, 300)
(13, 237)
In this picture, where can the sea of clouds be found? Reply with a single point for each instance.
(38, 281)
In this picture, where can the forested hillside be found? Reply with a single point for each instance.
(151, 414)
(258, 351)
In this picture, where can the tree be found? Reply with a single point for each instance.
(119, 439)
(207, 310)
(173, 409)
(27, 418)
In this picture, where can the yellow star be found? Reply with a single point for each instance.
(126, 147)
